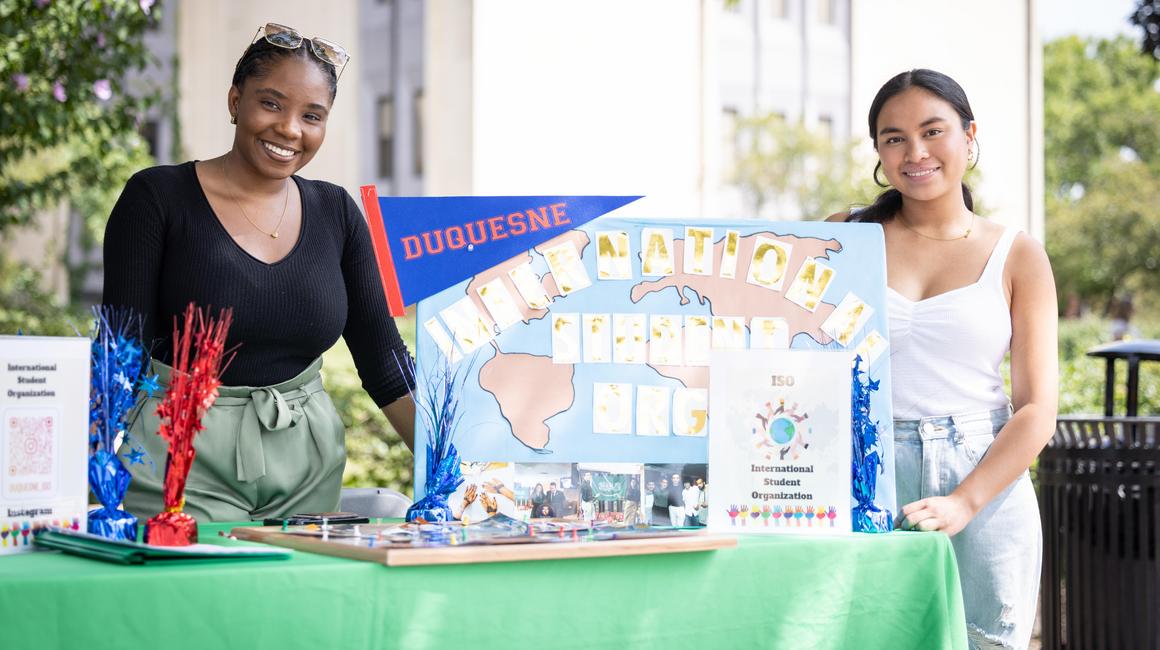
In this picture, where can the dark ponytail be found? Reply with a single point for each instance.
(889, 202)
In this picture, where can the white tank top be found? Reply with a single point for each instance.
(946, 350)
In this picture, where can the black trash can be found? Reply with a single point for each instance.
(1099, 497)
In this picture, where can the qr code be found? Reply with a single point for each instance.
(30, 445)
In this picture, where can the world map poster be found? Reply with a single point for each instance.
(592, 346)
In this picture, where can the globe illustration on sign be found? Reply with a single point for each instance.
(781, 430)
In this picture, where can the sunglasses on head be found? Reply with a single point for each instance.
(289, 38)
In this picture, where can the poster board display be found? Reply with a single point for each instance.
(589, 340)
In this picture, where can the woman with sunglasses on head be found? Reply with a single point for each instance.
(963, 292)
(293, 259)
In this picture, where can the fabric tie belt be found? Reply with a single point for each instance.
(266, 409)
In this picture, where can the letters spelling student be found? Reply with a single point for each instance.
(481, 231)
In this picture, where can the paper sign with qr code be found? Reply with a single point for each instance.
(30, 453)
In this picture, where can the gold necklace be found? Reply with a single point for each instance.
(285, 202)
(970, 227)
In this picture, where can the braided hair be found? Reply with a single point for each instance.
(261, 54)
(889, 203)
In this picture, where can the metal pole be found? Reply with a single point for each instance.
(1110, 387)
(1133, 384)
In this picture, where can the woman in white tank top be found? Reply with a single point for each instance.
(963, 291)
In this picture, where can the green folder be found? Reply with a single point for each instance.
(123, 552)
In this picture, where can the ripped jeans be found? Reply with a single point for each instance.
(999, 553)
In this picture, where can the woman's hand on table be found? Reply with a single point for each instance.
(949, 514)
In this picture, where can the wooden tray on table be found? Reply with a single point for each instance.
(406, 545)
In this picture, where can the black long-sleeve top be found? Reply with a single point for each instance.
(165, 247)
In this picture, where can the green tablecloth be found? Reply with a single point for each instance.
(899, 590)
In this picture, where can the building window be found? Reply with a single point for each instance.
(386, 118)
(826, 126)
(417, 134)
(729, 135)
(828, 12)
(149, 133)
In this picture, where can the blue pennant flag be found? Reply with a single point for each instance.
(426, 244)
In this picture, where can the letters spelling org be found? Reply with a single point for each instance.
(481, 231)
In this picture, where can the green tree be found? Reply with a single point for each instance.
(68, 130)
(1147, 18)
(376, 455)
(26, 308)
(1081, 378)
(67, 122)
(1101, 146)
(1099, 100)
(1107, 242)
(782, 160)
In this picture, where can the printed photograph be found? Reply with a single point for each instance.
(545, 491)
(675, 494)
(486, 491)
(609, 492)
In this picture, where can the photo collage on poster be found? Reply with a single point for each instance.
(668, 494)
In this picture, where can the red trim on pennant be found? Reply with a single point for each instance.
(370, 199)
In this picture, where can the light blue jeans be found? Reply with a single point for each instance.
(999, 553)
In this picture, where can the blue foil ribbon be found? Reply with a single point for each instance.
(119, 364)
(866, 462)
(109, 480)
(118, 370)
(440, 406)
(113, 524)
(443, 477)
(431, 509)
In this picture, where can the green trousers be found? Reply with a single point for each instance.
(264, 452)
